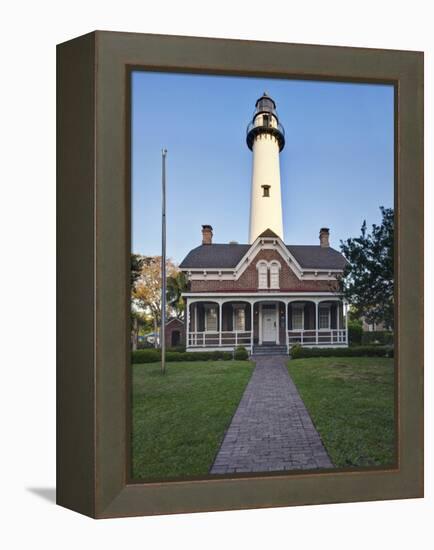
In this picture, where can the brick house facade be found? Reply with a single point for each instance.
(263, 294)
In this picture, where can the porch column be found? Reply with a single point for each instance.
(260, 324)
(316, 323)
(196, 328)
(346, 323)
(220, 323)
(338, 314)
(187, 307)
(252, 305)
(278, 322)
(286, 326)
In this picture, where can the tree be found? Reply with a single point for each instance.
(176, 285)
(368, 281)
(136, 266)
(146, 290)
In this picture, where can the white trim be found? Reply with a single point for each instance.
(231, 275)
(306, 295)
(267, 243)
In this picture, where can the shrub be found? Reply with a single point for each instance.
(355, 332)
(154, 355)
(149, 355)
(176, 348)
(241, 353)
(297, 352)
(378, 337)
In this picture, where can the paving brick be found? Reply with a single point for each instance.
(271, 429)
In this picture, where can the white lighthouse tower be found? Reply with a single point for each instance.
(265, 138)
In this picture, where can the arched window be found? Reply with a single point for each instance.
(262, 268)
(274, 275)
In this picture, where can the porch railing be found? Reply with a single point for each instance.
(244, 338)
(219, 339)
(317, 337)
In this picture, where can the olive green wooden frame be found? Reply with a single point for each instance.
(93, 174)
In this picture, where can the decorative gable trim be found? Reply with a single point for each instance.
(268, 243)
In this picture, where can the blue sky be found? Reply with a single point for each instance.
(336, 168)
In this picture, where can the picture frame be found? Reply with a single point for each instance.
(93, 227)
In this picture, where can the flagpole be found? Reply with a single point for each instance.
(163, 264)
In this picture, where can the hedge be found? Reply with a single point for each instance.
(378, 337)
(297, 352)
(355, 332)
(154, 355)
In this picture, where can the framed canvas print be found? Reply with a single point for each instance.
(240, 263)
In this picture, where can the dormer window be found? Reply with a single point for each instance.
(265, 190)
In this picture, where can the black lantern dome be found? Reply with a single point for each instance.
(265, 121)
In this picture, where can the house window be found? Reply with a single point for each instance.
(265, 190)
(298, 317)
(262, 275)
(274, 275)
(324, 317)
(239, 318)
(211, 319)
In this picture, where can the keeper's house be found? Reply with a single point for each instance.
(265, 295)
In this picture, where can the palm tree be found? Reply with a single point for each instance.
(176, 285)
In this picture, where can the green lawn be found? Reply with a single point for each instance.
(351, 402)
(179, 419)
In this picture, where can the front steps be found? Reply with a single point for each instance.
(269, 349)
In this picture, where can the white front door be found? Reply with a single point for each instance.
(269, 325)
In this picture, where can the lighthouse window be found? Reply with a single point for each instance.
(265, 190)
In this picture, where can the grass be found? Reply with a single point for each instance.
(351, 402)
(179, 419)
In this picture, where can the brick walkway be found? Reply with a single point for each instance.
(271, 429)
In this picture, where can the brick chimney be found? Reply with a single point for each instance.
(206, 234)
(324, 234)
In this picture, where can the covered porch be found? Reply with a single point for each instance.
(226, 323)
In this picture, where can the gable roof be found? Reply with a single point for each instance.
(269, 233)
(215, 256)
(317, 257)
(226, 256)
